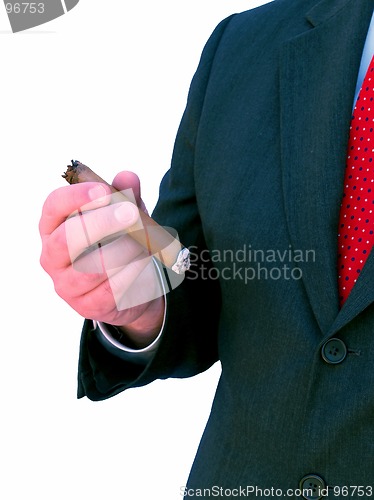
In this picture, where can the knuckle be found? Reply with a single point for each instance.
(52, 202)
(47, 257)
(62, 286)
(43, 261)
(58, 241)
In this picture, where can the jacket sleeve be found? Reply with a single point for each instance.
(189, 342)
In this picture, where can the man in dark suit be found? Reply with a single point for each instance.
(257, 182)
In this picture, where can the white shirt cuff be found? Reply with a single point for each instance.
(122, 351)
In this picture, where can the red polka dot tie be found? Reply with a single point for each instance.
(356, 223)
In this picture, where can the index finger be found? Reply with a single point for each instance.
(62, 202)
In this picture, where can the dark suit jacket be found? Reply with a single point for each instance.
(258, 166)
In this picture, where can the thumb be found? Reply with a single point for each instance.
(129, 180)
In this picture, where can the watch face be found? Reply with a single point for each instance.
(25, 15)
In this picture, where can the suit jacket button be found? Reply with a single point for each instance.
(334, 351)
(312, 487)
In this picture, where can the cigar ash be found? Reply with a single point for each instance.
(72, 173)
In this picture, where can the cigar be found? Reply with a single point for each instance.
(151, 236)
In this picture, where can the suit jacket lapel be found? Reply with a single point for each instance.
(317, 81)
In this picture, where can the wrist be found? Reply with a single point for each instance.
(145, 329)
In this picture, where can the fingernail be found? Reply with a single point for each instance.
(126, 213)
(97, 194)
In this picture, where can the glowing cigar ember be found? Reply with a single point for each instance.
(151, 236)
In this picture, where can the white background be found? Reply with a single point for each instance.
(106, 84)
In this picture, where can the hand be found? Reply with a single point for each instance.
(98, 269)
